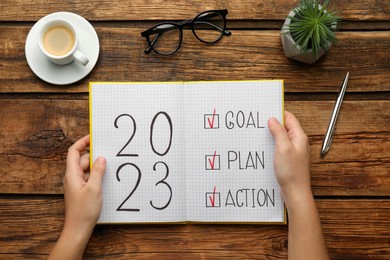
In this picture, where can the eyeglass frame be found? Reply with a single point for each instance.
(180, 26)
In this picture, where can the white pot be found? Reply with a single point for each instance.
(293, 51)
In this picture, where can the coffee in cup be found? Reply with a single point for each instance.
(58, 41)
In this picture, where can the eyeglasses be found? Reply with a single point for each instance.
(166, 38)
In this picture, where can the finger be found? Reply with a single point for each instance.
(292, 124)
(73, 157)
(97, 172)
(279, 132)
(294, 128)
(84, 162)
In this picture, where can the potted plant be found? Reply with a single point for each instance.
(309, 31)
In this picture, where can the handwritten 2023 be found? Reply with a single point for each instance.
(121, 153)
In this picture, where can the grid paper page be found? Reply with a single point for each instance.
(229, 151)
(144, 179)
(216, 168)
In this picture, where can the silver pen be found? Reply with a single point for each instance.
(332, 123)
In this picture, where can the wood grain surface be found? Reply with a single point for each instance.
(39, 121)
(35, 142)
(261, 57)
(117, 10)
(354, 229)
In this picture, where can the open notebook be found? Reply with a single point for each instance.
(187, 151)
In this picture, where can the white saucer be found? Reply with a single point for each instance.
(65, 74)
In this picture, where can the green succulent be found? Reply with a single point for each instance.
(312, 26)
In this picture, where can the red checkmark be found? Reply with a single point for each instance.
(212, 199)
(211, 123)
(212, 162)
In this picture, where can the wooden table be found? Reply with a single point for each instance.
(39, 121)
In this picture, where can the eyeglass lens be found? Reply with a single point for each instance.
(208, 27)
(166, 38)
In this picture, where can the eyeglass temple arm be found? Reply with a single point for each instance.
(149, 49)
(210, 15)
(187, 22)
(224, 31)
(159, 32)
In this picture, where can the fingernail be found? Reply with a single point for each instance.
(272, 120)
(101, 160)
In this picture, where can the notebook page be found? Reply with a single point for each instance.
(131, 128)
(229, 151)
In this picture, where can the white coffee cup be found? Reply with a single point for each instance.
(58, 41)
